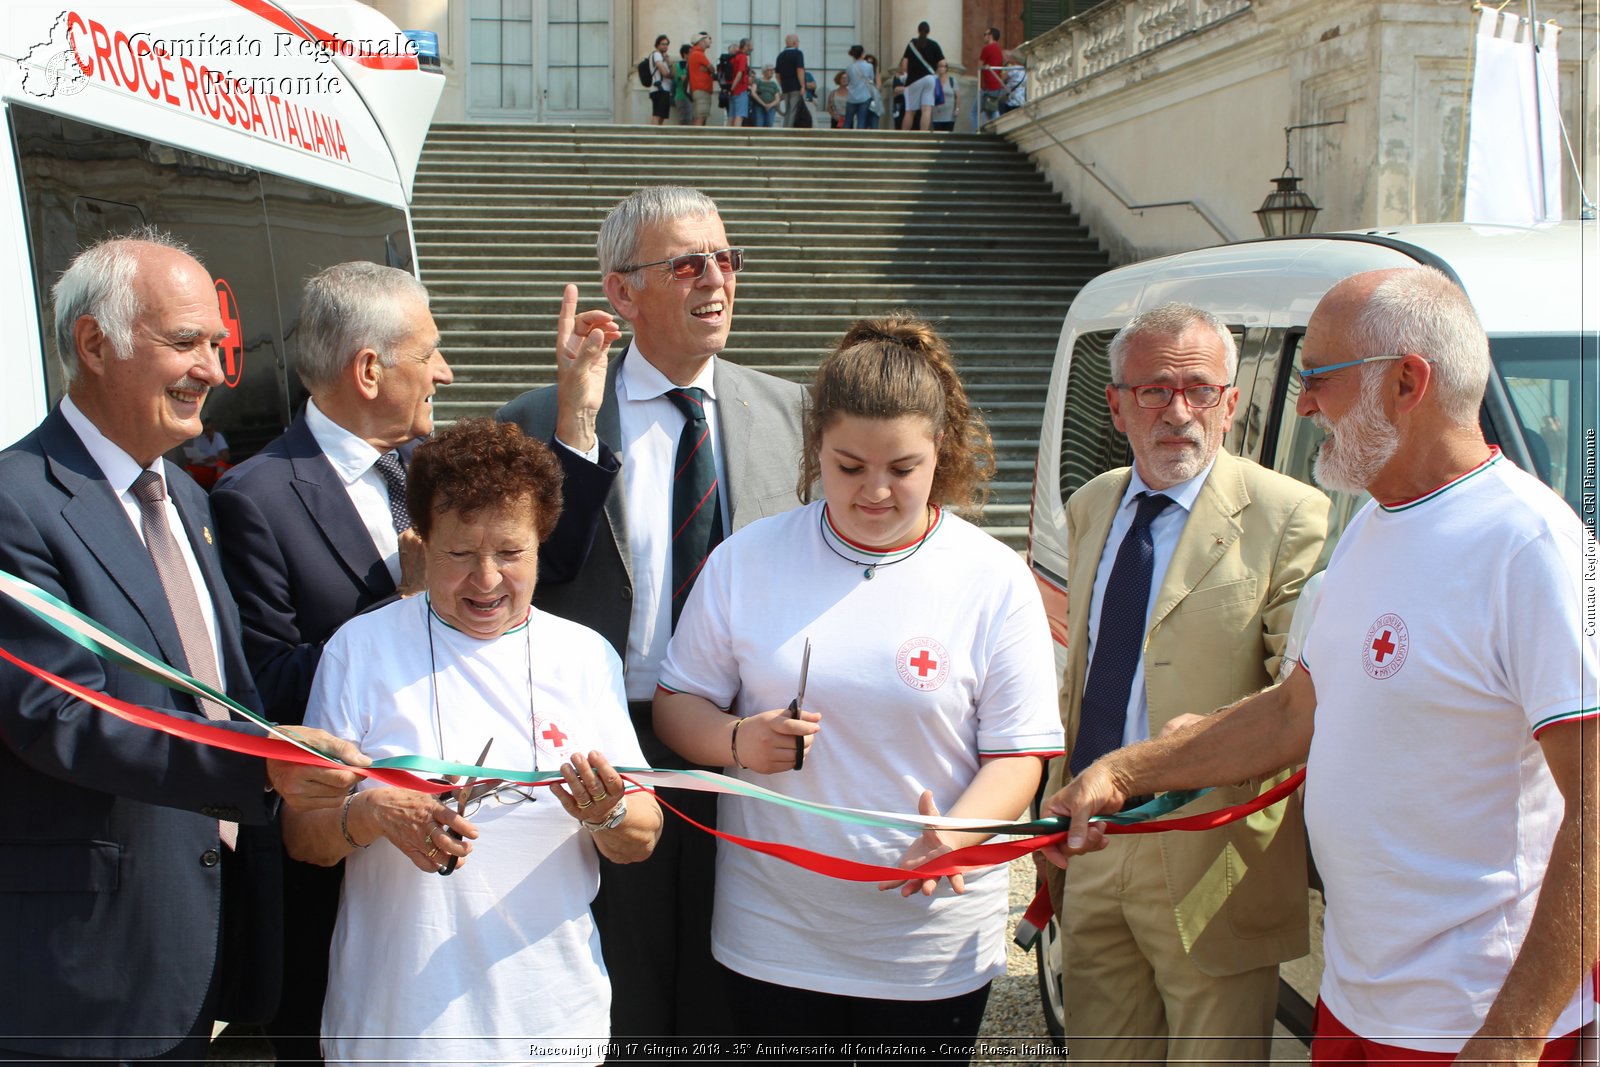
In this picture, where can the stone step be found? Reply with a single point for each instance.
(508, 198)
(440, 255)
(887, 288)
(766, 300)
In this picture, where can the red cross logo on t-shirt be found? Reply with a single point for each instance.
(923, 664)
(553, 734)
(1388, 643)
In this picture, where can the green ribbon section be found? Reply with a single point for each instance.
(92, 636)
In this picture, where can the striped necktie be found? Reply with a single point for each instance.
(696, 507)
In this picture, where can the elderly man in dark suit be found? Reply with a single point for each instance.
(142, 901)
(314, 531)
(703, 447)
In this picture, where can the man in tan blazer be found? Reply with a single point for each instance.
(1171, 942)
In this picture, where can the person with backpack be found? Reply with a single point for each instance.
(791, 69)
(659, 70)
(921, 57)
(739, 83)
(702, 78)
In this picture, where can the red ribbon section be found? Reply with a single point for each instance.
(959, 861)
(207, 733)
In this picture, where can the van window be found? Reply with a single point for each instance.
(1090, 445)
(1551, 382)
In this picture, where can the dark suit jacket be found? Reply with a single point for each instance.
(112, 904)
(762, 469)
(299, 560)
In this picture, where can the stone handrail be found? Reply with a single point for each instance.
(1113, 33)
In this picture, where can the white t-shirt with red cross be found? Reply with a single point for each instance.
(501, 960)
(1449, 633)
(942, 658)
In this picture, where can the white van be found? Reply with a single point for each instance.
(274, 140)
(1537, 291)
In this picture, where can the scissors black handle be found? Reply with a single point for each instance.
(800, 741)
(450, 864)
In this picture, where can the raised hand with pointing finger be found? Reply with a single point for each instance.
(582, 343)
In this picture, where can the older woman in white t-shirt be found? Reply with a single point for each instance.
(931, 687)
(502, 959)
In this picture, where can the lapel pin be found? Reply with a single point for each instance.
(207, 531)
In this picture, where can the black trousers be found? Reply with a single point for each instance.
(801, 1026)
(655, 920)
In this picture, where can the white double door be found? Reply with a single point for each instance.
(544, 60)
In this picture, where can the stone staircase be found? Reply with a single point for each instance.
(960, 228)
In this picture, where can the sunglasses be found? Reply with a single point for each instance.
(692, 265)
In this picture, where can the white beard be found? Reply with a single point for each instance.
(1358, 446)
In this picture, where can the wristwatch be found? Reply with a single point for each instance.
(612, 820)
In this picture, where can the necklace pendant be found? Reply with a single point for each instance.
(868, 573)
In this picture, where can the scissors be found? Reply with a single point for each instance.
(463, 794)
(795, 704)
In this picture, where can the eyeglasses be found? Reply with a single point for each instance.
(504, 793)
(1155, 397)
(1311, 372)
(692, 265)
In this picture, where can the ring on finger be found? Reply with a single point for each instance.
(433, 849)
(597, 797)
(586, 804)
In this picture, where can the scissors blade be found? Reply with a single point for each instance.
(466, 787)
(805, 669)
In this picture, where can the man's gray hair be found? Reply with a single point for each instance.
(1421, 311)
(1171, 320)
(348, 307)
(654, 205)
(99, 283)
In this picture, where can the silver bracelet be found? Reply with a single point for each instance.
(344, 823)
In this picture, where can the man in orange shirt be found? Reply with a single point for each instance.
(702, 78)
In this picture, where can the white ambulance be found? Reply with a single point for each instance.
(1536, 289)
(275, 140)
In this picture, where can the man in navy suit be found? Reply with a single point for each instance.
(141, 900)
(311, 536)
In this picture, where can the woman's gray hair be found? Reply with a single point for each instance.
(654, 205)
(348, 307)
(99, 283)
(1172, 320)
(1420, 311)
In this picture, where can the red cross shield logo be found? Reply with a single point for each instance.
(553, 734)
(230, 351)
(1386, 647)
(923, 664)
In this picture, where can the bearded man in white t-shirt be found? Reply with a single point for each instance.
(1446, 711)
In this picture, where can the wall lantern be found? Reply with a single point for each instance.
(1288, 210)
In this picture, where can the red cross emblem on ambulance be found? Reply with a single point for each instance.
(1386, 646)
(923, 664)
(230, 351)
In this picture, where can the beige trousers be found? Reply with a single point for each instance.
(1132, 993)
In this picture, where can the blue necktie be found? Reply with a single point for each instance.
(1118, 644)
(696, 509)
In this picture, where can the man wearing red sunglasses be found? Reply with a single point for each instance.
(703, 447)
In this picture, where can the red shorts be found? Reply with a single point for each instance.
(1334, 1045)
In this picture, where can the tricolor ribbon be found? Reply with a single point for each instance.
(406, 771)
